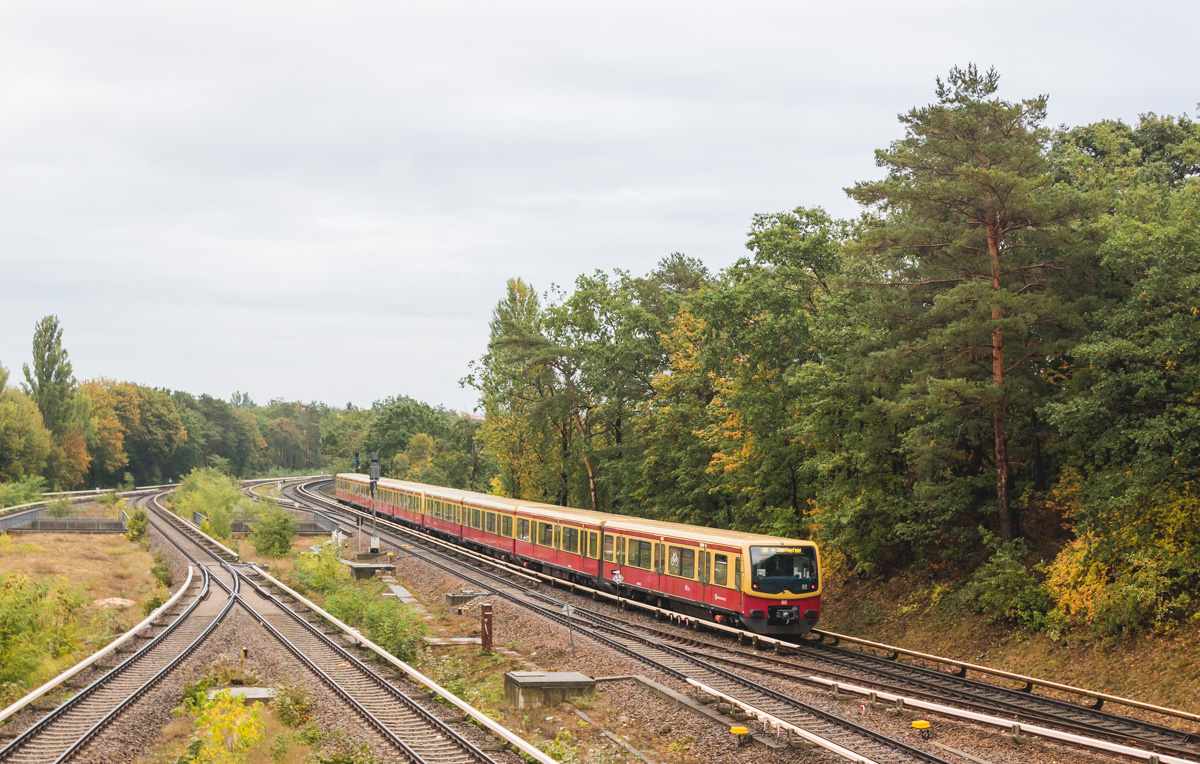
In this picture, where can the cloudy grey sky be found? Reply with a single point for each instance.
(212, 195)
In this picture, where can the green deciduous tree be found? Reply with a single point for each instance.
(50, 382)
(272, 535)
(24, 441)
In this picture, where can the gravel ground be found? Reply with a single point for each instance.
(179, 564)
(139, 727)
(515, 625)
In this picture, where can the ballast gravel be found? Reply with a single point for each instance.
(139, 726)
(711, 742)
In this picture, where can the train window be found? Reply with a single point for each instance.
(545, 534)
(620, 550)
(476, 519)
(570, 539)
(641, 554)
(558, 537)
(523, 530)
(609, 555)
(687, 563)
(491, 522)
(506, 526)
(703, 567)
(592, 544)
(681, 562)
(783, 569)
(721, 569)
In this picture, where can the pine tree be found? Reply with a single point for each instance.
(977, 241)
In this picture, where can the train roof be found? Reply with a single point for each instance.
(615, 522)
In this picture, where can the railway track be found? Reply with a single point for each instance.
(416, 733)
(861, 668)
(868, 744)
(57, 736)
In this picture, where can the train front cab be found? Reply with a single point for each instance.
(782, 588)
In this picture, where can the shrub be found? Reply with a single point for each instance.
(1153, 593)
(151, 603)
(35, 621)
(393, 626)
(1006, 590)
(162, 572)
(212, 494)
(274, 532)
(60, 508)
(294, 705)
(225, 729)
(23, 491)
(137, 525)
(320, 572)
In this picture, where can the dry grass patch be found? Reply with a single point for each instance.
(90, 568)
(100, 565)
(278, 565)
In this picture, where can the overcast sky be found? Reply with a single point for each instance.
(322, 201)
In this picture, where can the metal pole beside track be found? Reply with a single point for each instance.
(374, 548)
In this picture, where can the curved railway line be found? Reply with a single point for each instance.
(58, 735)
(869, 744)
(841, 664)
(415, 732)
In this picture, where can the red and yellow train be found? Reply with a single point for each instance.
(765, 584)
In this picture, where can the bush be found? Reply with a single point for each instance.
(1153, 593)
(60, 508)
(274, 532)
(393, 626)
(294, 705)
(1006, 590)
(320, 572)
(162, 572)
(23, 491)
(35, 621)
(137, 525)
(154, 601)
(226, 729)
(213, 495)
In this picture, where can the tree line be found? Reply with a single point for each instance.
(58, 433)
(992, 371)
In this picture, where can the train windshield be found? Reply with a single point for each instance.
(777, 569)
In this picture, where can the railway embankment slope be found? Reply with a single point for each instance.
(911, 611)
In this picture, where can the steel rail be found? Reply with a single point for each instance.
(110, 647)
(1164, 738)
(507, 735)
(961, 696)
(1099, 697)
(426, 716)
(604, 631)
(892, 652)
(30, 735)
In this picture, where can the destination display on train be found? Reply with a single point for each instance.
(781, 549)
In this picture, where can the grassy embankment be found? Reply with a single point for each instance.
(910, 611)
(50, 585)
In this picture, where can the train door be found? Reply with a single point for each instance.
(594, 550)
(702, 573)
(660, 563)
(737, 581)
